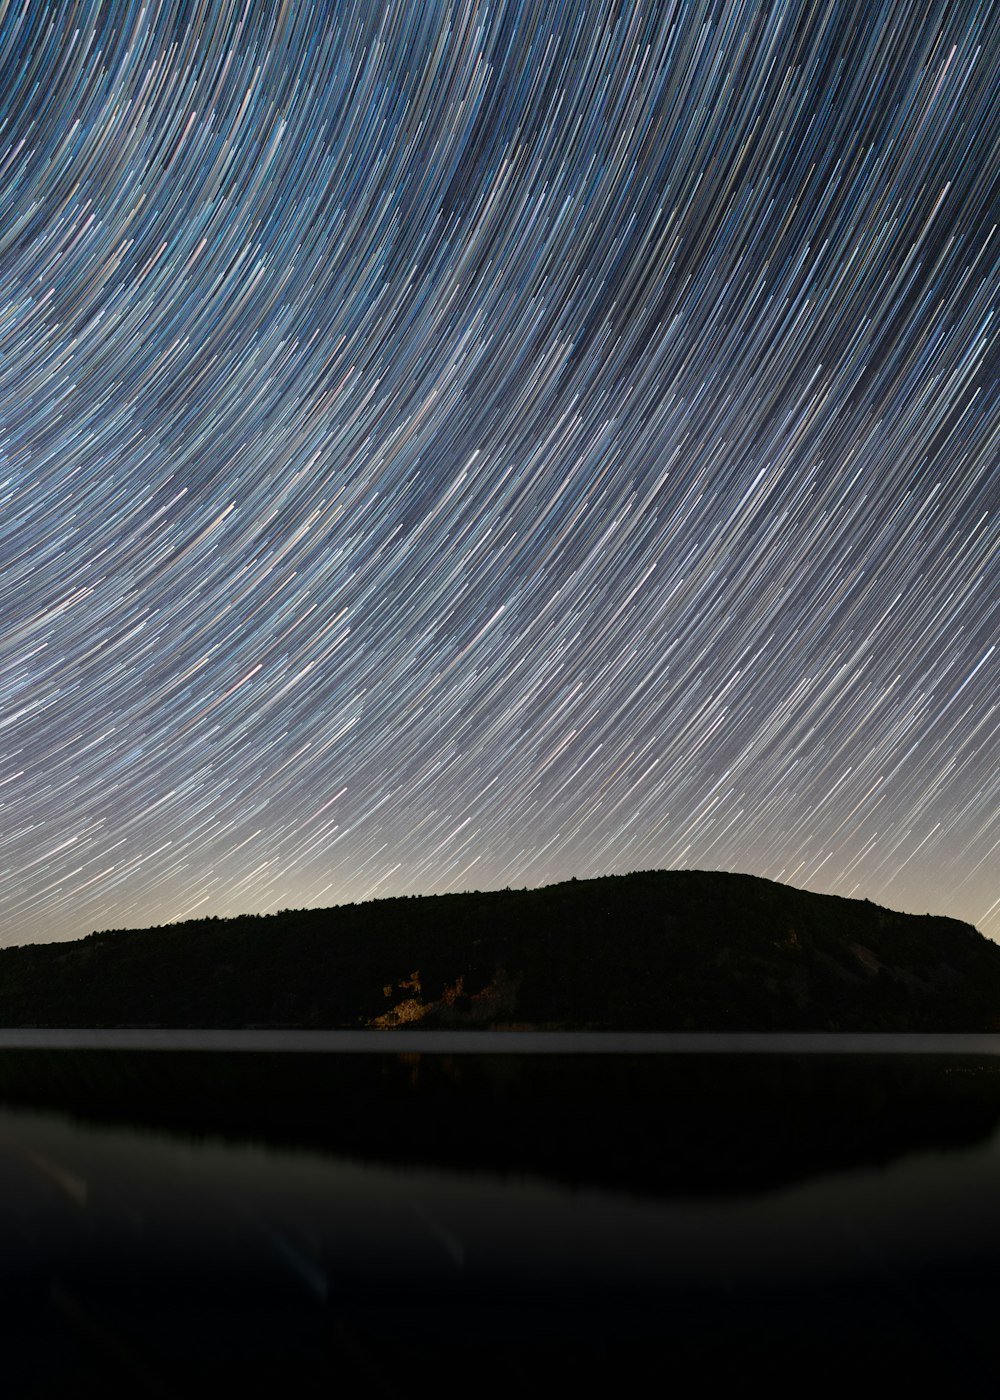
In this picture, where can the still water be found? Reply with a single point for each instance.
(180, 1222)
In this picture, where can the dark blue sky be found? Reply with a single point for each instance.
(461, 445)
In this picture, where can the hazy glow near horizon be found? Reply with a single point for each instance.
(464, 445)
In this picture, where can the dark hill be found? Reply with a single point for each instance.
(657, 950)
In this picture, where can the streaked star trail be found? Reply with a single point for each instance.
(459, 445)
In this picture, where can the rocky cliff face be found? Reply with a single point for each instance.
(710, 951)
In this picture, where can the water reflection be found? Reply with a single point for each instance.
(140, 1261)
(643, 1124)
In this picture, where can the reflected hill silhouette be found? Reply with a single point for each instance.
(663, 1125)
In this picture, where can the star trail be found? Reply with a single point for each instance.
(458, 445)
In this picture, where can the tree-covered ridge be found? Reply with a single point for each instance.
(655, 950)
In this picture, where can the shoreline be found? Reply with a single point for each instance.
(497, 1042)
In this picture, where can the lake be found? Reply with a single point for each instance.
(183, 1215)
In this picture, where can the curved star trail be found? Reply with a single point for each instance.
(472, 444)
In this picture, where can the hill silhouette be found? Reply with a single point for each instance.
(650, 951)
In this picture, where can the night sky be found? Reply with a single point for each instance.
(449, 446)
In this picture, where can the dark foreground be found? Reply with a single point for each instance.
(384, 1224)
